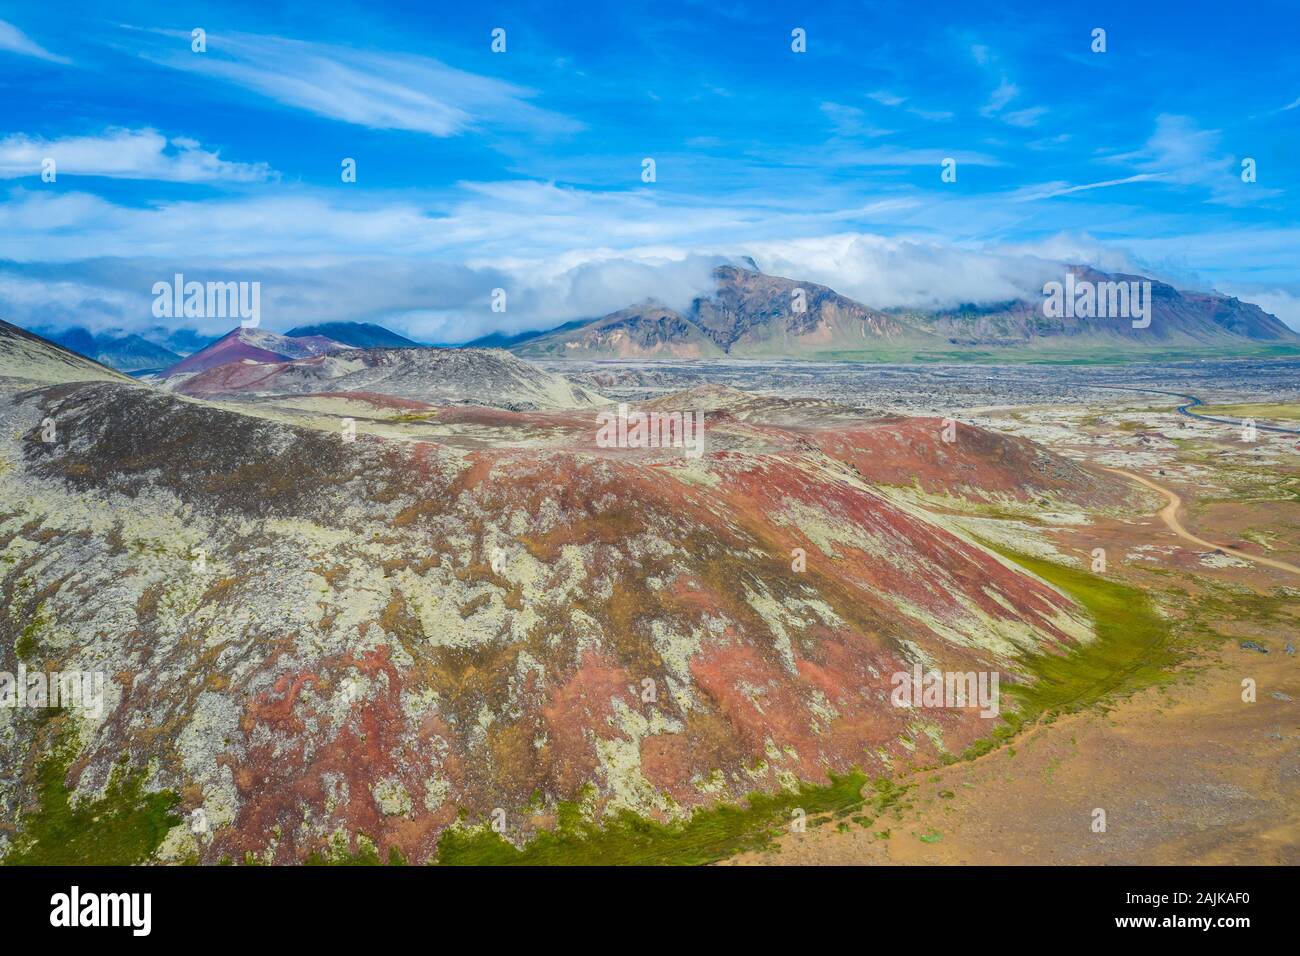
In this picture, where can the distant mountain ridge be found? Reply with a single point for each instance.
(124, 351)
(362, 335)
(1177, 316)
(750, 314)
(754, 315)
(506, 340)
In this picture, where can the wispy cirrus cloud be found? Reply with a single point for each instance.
(1002, 94)
(1178, 153)
(373, 88)
(904, 156)
(1026, 117)
(893, 100)
(1005, 93)
(13, 40)
(125, 154)
(849, 121)
(1053, 189)
(885, 98)
(1182, 153)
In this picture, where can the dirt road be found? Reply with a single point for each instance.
(1169, 514)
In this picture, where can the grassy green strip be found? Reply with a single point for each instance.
(1132, 649)
(1094, 354)
(708, 835)
(1281, 412)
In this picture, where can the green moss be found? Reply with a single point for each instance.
(708, 835)
(1131, 651)
(27, 645)
(123, 827)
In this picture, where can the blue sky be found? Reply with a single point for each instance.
(523, 170)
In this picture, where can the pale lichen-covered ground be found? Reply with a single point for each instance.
(317, 645)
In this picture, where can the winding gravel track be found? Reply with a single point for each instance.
(1169, 514)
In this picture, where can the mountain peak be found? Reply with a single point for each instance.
(258, 345)
(752, 314)
(362, 335)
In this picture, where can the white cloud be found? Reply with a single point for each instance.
(439, 301)
(1177, 153)
(431, 301)
(849, 121)
(1181, 153)
(885, 98)
(1026, 117)
(124, 154)
(884, 272)
(13, 40)
(1004, 93)
(377, 89)
(1080, 248)
(424, 264)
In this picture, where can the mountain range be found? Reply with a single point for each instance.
(124, 351)
(754, 315)
(750, 314)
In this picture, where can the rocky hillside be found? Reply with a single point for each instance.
(480, 376)
(1192, 319)
(326, 648)
(749, 314)
(253, 345)
(28, 358)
